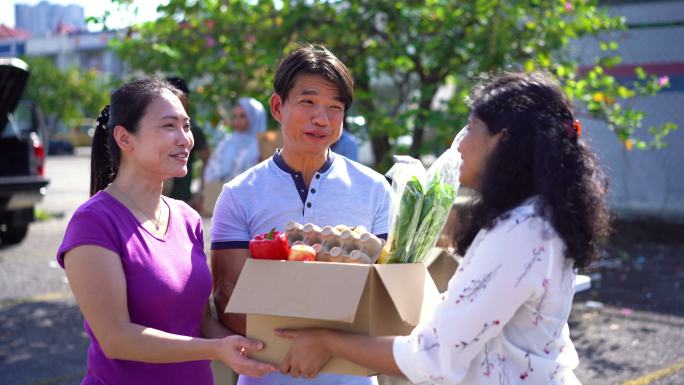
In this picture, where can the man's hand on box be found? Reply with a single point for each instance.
(308, 353)
(233, 351)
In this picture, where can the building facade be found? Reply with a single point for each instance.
(86, 50)
(44, 18)
(59, 33)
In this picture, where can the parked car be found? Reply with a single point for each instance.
(22, 155)
(59, 146)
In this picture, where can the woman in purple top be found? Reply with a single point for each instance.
(135, 259)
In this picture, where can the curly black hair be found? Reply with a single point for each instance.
(541, 154)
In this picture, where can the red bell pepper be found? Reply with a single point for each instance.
(271, 245)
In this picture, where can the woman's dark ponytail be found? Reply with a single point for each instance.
(101, 165)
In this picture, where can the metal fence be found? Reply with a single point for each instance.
(646, 183)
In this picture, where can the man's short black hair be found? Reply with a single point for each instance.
(314, 59)
(178, 83)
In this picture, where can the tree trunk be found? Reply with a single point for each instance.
(381, 150)
(421, 122)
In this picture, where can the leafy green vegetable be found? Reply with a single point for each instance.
(437, 202)
(406, 222)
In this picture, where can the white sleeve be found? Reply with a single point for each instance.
(502, 270)
(229, 221)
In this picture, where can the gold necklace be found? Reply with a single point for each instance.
(154, 221)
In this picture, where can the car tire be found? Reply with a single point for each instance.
(13, 234)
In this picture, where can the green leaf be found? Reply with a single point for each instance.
(625, 92)
(640, 73)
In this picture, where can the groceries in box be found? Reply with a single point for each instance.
(424, 199)
(373, 299)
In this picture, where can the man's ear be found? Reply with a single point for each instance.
(276, 103)
(123, 138)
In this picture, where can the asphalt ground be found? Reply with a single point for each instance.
(629, 328)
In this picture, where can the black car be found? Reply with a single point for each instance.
(22, 155)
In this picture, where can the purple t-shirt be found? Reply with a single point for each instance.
(167, 281)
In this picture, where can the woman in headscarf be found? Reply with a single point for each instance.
(239, 150)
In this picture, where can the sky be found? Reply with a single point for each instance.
(146, 10)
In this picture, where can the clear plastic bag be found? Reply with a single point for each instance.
(424, 200)
(408, 176)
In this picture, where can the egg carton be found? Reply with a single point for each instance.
(337, 244)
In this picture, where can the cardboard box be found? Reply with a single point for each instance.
(441, 265)
(210, 194)
(269, 142)
(376, 300)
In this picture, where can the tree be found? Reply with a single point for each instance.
(223, 48)
(65, 96)
(403, 56)
(421, 46)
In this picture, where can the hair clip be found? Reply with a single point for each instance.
(574, 129)
(103, 118)
(578, 128)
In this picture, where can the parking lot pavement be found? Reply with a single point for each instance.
(42, 342)
(629, 328)
(617, 346)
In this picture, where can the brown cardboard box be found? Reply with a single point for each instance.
(210, 194)
(441, 265)
(375, 300)
(269, 142)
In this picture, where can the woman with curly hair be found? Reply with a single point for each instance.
(540, 216)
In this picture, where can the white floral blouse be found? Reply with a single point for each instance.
(503, 318)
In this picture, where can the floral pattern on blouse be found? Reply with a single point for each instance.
(503, 318)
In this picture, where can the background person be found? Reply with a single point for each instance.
(303, 182)
(135, 259)
(239, 150)
(541, 214)
(181, 187)
(347, 146)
